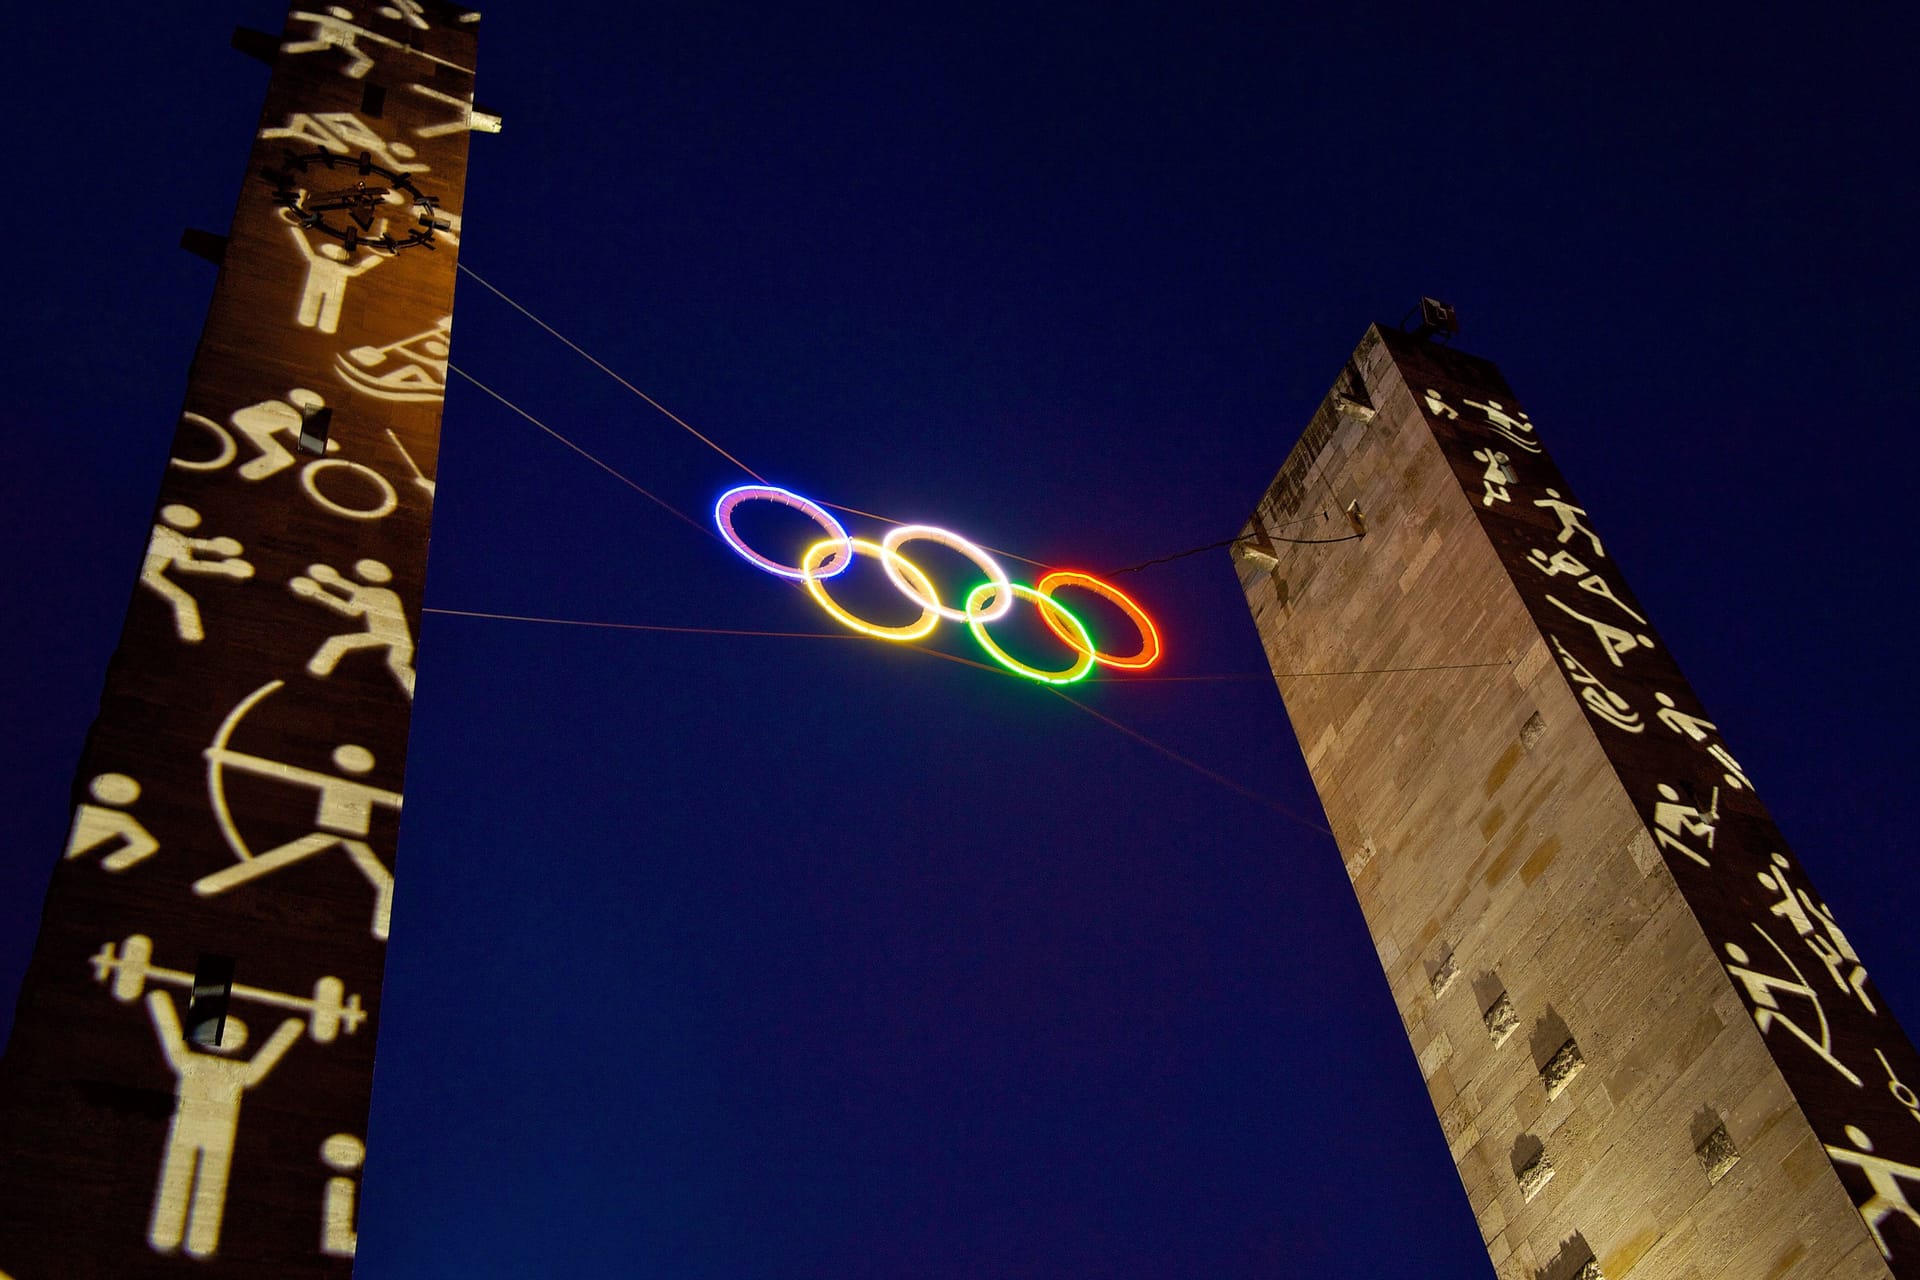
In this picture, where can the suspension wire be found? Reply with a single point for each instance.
(1195, 765)
(708, 441)
(938, 653)
(611, 470)
(944, 656)
(604, 466)
(1136, 679)
(1135, 734)
(639, 626)
(589, 357)
(1228, 542)
(1320, 465)
(676, 418)
(1011, 555)
(698, 631)
(1297, 675)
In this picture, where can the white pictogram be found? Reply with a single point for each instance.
(1563, 562)
(419, 476)
(1600, 700)
(97, 824)
(462, 121)
(1884, 1176)
(171, 550)
(1700, 729)
(192, 1195)
(410, 12)
(1673, 819)
(272, 427)
(336, 29)
(412, 369)
(328, 270)
(343, 1153)
(1511, 426)
(1570, 521)
(1614, 641)
(1902, 1092)
(1497, 477)
(1764, 991)
(370, 600)
(343, 814)
(346, 134)
(1816, 926)
(1695, 727)
(310, 475)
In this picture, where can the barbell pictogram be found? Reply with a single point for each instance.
(130, 968)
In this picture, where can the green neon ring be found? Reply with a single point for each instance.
(1083, 656)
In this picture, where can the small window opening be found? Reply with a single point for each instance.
(212, 988)
(373, 100)
(315, 422)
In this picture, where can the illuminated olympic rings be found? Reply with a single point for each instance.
(985, 602)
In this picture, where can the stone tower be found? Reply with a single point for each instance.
(1651, 1048)
(186, 1088)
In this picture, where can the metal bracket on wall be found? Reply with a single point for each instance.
(204, 244)
(258, 45)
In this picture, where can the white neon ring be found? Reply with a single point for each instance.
(723, 517)
(996, 576)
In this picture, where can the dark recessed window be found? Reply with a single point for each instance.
(315, 422)
(212, 988)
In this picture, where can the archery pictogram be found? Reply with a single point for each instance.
(343, 815)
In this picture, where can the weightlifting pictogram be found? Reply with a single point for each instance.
(129, 968)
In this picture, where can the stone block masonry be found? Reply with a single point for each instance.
(187, 1084)
(1651, 1048)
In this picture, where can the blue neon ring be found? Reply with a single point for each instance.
(723, 517)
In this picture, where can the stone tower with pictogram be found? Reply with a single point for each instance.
(187, 1084)
(1650, 1046)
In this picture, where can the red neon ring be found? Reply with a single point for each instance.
(1149, 637)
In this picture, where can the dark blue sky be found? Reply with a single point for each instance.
(748, 957)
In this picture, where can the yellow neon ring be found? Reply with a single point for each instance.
(1083, 660)
(1149, 637)
(996, 576)
(818, 552)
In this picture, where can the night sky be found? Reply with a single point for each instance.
(738, 956)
